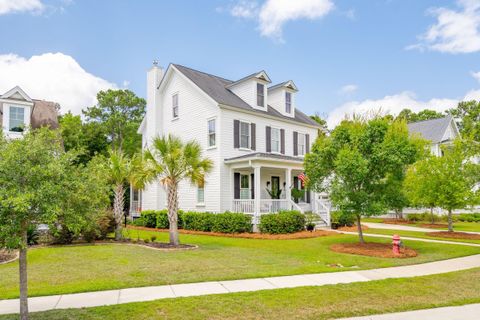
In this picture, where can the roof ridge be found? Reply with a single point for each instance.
(205, 73)
(442, 118)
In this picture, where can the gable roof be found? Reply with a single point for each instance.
(16, 90)
(262, 75)
(433, 130)
(216, 88)
(287, 84)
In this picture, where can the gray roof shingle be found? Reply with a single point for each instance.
(215, 87)
(433, 130)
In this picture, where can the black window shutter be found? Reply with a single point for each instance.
(253, 185)
(295, 143)
(268, 139)
(295, 185)
(253, 136)
(282, 141)
(236, 183)
(236, 134)
(307, 193)
(307, 143)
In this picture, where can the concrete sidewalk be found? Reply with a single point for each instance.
(466, 312)
(111, 297)
(375, 225)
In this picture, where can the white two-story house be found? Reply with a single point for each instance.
(251, 129)
(19, 112)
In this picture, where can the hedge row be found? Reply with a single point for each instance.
(426, 216)
(282, 222)
(227, 222)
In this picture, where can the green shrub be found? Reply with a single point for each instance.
(340, 219)
(32, 235)
(153, 238)
(149, 218)
(282, 222)
(230, 222)
(139, 222)
(198, 221)
(469, 217)
(105, 225)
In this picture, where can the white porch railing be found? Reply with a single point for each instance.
(274, 205)
(244, 205)
(135, 209)
(323, 210)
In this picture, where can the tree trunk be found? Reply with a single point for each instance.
(360, 232)
(400, 214)
(173, 213)
(23, 276)
(450, 222)
(432, 215)
(118, 204)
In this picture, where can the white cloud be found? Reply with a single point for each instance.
(476, 75)
(52, 76)
(348, 89)
(273, 14)
(393, 104)
(455, 31)
(13, 6)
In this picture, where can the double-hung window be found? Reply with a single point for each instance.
(244, 186)
(244, 135)
(17, 119)
(175, 105)
(301, 144)
(288, 102)
(275, 139)
(211, 133)
(200, 194)
(260, 95)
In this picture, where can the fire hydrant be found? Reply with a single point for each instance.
(396, 244)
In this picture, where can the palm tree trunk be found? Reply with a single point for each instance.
(23, 276)
(360, 232)
(118, 204)
(173, 213)
(450, 222)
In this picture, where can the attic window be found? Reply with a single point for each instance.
(260, 95)
(17, 119)
(288, 102)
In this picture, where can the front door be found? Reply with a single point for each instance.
(275, 187)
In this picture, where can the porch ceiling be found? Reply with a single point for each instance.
(267, 157)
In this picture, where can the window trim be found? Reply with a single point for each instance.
(288, 104)
(214, 119)
(262, 94)
(175, 94)
(279, 139)
(6, 117)
(248, 123)
(299, 134)
(249, 186)
(200, 203)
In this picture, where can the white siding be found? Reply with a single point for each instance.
(247, 91)
(276, 99)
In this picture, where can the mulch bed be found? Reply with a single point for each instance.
(454, 235)
(434, 225)
(6, 256)
(352, 228)
(296, 235)
(372, 249)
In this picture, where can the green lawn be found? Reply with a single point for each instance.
(324, 302)
(56, 270)
(457, 226)
(416, 234)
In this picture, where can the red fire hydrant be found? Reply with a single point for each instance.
(396, 244)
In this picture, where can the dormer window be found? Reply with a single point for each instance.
(288, 102)
(260, 95)
(16, 119)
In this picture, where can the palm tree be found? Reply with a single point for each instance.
(170, 161)
(122, 170)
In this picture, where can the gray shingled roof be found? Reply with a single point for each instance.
(215, 87)
(433, 130)
(262, 155)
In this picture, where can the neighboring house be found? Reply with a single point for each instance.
(253, 132)
(18, 112)
(439, 132)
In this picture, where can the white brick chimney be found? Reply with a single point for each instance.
(153, 119)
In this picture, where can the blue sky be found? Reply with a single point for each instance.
(344, 56)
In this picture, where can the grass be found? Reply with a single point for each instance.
(416, 234)
(457, 226)
(326, 302)
(69, 269)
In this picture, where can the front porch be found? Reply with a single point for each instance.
(264, 183)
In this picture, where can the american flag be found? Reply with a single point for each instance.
(302, 178)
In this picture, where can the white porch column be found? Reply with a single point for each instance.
(257, 189)
(288, 185)
(232, 188)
